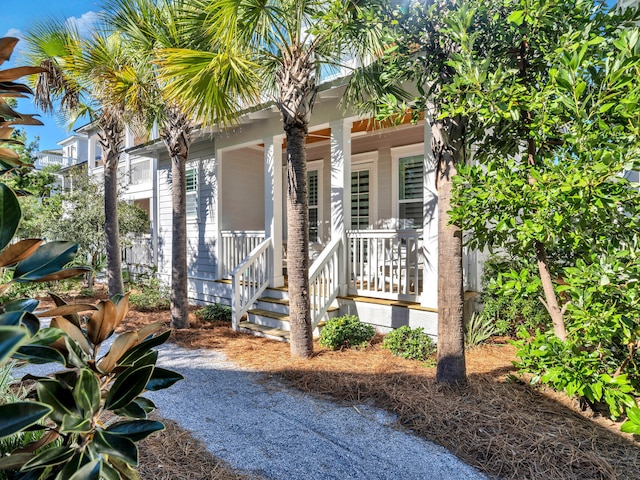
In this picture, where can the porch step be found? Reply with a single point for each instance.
(268, 318)
(281, 305)
(264, 331)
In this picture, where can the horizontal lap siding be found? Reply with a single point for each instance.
(201, 232)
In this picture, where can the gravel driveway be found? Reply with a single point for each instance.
(265, 428)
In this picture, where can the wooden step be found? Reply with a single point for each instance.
(264, 331)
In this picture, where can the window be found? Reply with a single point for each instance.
(360, 199)
(313, 196)
(192, 193)
(410, 190)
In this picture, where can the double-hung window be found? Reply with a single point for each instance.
(409, 185)
(192, 192)
(313, 194)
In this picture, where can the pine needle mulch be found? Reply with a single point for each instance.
(497, 423)
(174, 454)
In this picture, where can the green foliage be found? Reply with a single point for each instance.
(412, 344)
(216, 311)
(150, 295)
(511, 296)
(83, 421)
(478, 329)
(50, 218)
(346, 332)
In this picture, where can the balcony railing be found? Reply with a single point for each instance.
(47, 159)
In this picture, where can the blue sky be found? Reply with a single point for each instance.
(14, 22)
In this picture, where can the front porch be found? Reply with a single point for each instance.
(371, 200)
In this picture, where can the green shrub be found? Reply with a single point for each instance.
(346, 332)
(510, 297)
(478, 329)
(412, 344)
(216, 311)
(150, 296)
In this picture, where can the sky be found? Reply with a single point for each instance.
(14, 21)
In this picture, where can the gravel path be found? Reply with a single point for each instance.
(268, 429)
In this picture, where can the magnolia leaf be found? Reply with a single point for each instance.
(122, 308)
(136, 430)
(116, 446)
(61, 274)
(139, 350)
(75, 424)
(11, 319)
(6, 48)
(73, 318)
(19, 251)
(102, 323)
(66, 310)
(13, 87)
(39, 354)
(49, 458)
(127, 386)
(9, 215)
(61, 399)
(90, 471)
(22, 304)
(121, 345)
(10, 340)
(47, 259)
(19, 415)
(73, 331)
(162, 378)
(79, 459)
(11, 74)
(26, 120)
(87, 391)
(15, 461)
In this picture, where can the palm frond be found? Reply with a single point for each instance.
(213, 87)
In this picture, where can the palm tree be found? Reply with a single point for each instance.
(148, 26)
(88, 77)
(289, 41)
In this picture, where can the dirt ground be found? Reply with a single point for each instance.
(497, 423)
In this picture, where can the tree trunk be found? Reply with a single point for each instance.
(551, 301)
(297, 94)
(177, 140)
(110, 139)
(451, 366)
(298, 242)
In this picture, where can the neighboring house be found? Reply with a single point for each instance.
(73, 152)
(372, 211)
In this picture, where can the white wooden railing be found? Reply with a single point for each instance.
(236, 245)
(140, 171)
(385, 263)
(250, 279)
(324, 280)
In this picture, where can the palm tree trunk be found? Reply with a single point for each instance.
(110, 139)
(298, 242)
(451, 366)
(177, 139)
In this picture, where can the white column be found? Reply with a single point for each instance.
(273, 205)
(341, 192)
(429, 297)
(340, 177)
(217, 209)
(154, 208)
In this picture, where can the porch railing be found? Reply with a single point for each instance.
(385, 263)
(236, 245)
(249, 279)
(324, 280)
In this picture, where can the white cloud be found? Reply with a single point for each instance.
(13, 32)
(86, 23)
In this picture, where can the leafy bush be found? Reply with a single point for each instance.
(150, 296)
(511, 295)
(478, 329)
(83, 421)
(346, 332)
(216, 311)
(412, 344)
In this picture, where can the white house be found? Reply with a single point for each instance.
(372, 210)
